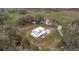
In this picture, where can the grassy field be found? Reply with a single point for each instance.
(50, 41)
(60, 16)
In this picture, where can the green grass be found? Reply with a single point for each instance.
(15, 16)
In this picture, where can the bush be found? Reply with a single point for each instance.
(39, 19)
(5, 44)
(23, 11)
(4, 16)
(27, 19)
(26, 43)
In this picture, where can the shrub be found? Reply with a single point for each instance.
(27, 19)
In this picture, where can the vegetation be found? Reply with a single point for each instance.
(17, 24)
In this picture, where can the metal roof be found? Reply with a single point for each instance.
(37, 32)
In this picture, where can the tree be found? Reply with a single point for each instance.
(4, 16)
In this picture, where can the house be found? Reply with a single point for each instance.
(37, 32)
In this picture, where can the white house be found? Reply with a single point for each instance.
(37, 32)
